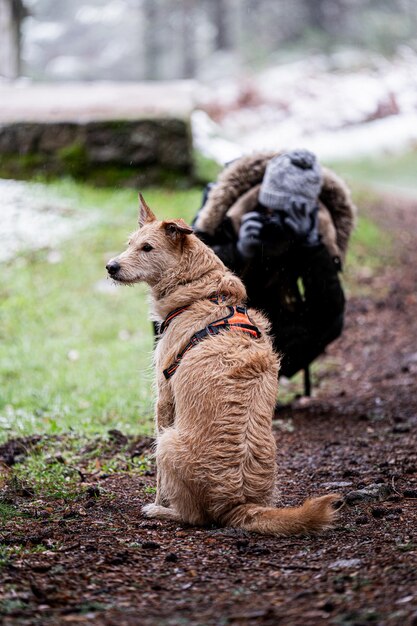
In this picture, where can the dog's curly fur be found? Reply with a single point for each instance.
(216, 453)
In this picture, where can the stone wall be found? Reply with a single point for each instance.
(132, 134)
(132, 153)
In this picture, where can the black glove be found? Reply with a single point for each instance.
(266, 232)
(249, 241)
(302, 224)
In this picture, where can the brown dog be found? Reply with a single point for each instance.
(215, 448)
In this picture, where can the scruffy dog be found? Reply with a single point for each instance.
(216, 453)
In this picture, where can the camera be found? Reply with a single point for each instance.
(273, 228)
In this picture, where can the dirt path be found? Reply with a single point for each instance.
(105, 564)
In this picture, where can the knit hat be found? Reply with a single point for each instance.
(291, 177)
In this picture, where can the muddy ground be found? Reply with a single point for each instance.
(101, 562)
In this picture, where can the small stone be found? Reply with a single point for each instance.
(328, 606)
(394, 498)
(117, 436)
(150, 545)
(171, 557)
(284, 425)
(405, 600)
(337, 484)
(369, 493)
(410, 493)
(350, 472)
(361, 520)
(401, 428)
(93, 492)
(339, 586)
(378, 512)
(345, 563)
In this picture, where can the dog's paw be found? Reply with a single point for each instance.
(160, 512)
(150, 510)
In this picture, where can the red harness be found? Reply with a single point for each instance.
(237, 319)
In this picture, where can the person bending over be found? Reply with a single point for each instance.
(282, 224)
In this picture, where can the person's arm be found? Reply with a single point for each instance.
(224, 244)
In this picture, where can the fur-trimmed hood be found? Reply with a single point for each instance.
(236, 193)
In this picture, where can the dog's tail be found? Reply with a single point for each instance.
(314, 515)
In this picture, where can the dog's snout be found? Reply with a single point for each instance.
(112, 267)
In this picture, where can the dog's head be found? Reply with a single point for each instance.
(153, 250)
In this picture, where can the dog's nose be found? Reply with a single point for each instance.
(112, 267)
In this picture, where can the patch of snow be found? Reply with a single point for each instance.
(33, 219)
(313, 104)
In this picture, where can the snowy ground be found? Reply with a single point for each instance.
(31, 218)
(340, 107)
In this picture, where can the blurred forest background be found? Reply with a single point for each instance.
(165, 39)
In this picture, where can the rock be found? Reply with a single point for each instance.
(285, 425)
(117, 436)
(401, 428)
(369, 493)
(345, 563)
(378, 512)
(410, 493)
(150, 545)
(93, 492)
(337, 484)
(171, 557)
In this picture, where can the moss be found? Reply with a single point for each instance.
(74, 159)
(72, 162)
(21, 166)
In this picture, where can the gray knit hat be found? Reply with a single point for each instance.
(291, 177)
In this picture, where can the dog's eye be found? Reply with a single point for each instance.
(147, 247)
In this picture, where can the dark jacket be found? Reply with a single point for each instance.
(299, 290)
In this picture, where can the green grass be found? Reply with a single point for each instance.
(72, 357)
(7, 511)
(56, 467)
(396, 171)
(369, 246)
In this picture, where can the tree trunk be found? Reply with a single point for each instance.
(151, 36)
(188, 39)
(11, 15)
(221, 22)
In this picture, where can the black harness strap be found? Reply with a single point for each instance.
(237, 318)
(175, 312)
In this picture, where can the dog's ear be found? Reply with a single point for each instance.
(176, 229)
(145, 214)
